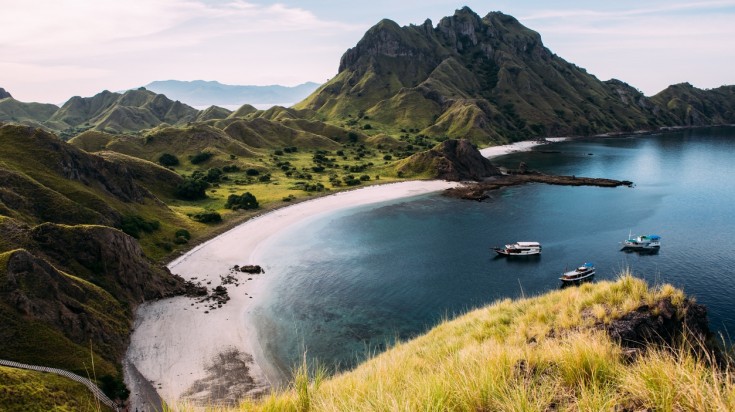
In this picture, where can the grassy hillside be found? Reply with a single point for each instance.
(551, 352)
(30, 114)
(29, 391)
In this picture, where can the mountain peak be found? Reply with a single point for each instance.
(4, 94)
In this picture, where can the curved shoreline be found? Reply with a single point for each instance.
(178, 343)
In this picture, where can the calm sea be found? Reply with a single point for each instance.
(344, 286)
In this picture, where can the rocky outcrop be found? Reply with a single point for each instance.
(478, 191)
(4, 94)
(662, 323)
(106, 257)
(453, 160)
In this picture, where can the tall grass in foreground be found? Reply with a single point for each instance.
(533, 354)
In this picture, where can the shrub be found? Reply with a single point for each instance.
(183, 233)
(265, 178)
(192, 188)
(252, 172)
(231, 169)
(167, 159)
(244, 201)
(133, 225)
(200, 157)
(387, 157)
(207, 217)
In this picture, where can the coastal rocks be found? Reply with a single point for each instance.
(478, 191)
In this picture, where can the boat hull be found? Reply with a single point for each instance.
(577, 277)
(510, 252)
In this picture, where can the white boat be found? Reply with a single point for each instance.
(519, 249)
(644, 242)
(583, 272)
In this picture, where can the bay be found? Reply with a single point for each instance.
(347, 285)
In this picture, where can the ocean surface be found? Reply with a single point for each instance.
(344, 286)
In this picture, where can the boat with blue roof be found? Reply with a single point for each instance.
(642, 242)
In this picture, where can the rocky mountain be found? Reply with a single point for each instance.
(489, 79)
(209, 93)
(4, 94)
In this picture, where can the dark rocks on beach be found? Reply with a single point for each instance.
(252, 269)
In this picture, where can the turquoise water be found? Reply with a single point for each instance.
(348, 284)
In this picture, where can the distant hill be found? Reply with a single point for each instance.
(116, 113)
(207, 93)
(491, 80)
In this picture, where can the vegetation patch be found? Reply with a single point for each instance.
(243, 201)
(134, 225)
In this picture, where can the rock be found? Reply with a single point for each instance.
(453, 160)
(662, 323)
(4, 94)
(253, 269)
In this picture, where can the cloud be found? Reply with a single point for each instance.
(136, 41)
(47, 29)
(618, 14)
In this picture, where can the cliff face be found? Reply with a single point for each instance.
(453, 160)
(79, 284)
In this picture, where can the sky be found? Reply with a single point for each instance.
(51, 50)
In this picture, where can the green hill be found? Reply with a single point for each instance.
(30, 114)
(133, 110)
(694, 107)
(70, 279)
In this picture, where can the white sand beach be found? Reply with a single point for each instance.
(183, 346)
(523, 146)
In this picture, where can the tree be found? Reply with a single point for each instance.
(192, 188)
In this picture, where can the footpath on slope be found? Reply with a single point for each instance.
(96, 391)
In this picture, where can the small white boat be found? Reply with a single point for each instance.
(645, 242)
(519, 249)
(583, 272)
